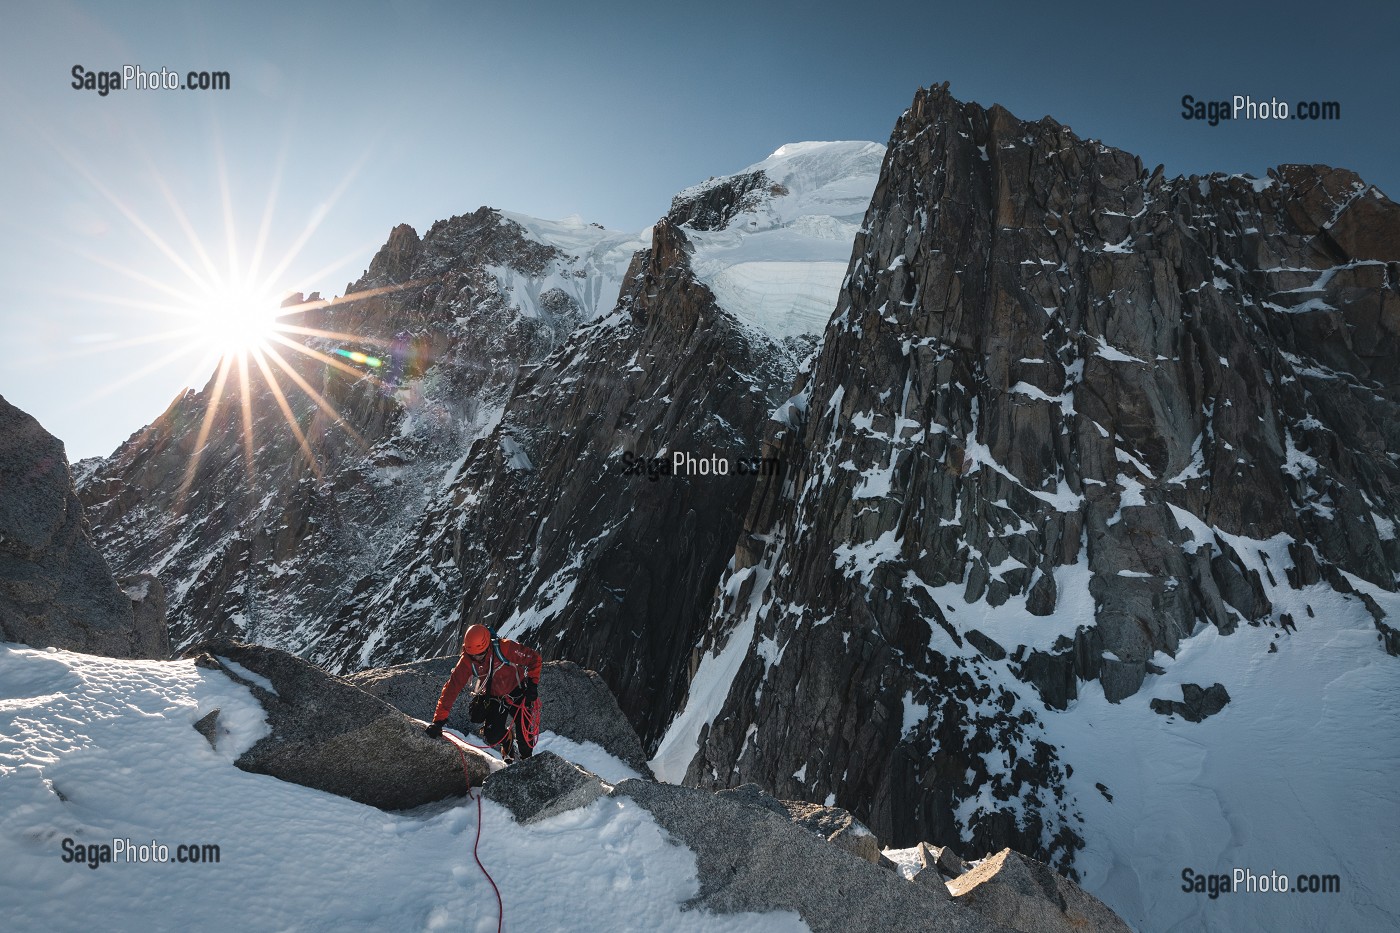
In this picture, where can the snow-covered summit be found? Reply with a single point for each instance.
(776, 259)
(819, 179)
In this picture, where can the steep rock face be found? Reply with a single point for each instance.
(562, 540)
(1067, 413)
(248, 535)
(450, 315)
(557, 528)
(55, 588)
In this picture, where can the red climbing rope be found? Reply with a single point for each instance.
(529, 720)
(461, 748)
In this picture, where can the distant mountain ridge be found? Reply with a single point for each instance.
(551, 535)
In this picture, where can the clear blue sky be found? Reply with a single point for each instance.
(372, 114)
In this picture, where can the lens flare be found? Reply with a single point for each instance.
(358, 357)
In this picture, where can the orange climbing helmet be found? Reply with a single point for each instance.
(476, 640)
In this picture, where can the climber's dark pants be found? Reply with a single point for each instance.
(497, 714)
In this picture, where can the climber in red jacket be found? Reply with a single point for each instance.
(507, 689)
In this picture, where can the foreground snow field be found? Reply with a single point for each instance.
(115, 739)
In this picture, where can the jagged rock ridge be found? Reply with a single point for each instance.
(452, 314)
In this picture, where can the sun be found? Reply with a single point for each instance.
(237, 321)
(228, 313)
(248, 331)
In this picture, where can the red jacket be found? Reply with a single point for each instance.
(520, 664)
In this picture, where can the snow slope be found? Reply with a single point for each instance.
(779, 266)
(115, 738)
